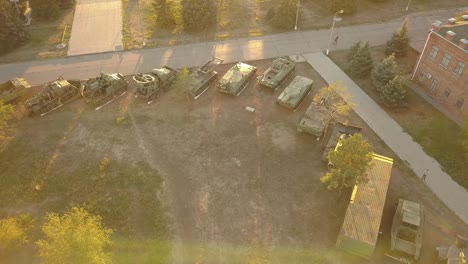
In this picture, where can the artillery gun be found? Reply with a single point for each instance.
(278, 73)
(104, 89)
(295, 93)
(149, 85)
(203, 77)
(236, 79)
(13, 89)
(54, 95)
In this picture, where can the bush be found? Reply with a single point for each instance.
(384, 72)
(164, 13)
(394, 92)
(400, 42)
(199, 15)
(14, 233)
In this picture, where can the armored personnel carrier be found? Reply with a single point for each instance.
(104, 89)
(13, 89)
(54, 95)
(335, 131)
(203, 77)
(236, 79)
(294, 94)
(407, 230)
(149, 85)
(278, 73)
(314, 120)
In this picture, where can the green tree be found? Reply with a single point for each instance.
(400, 41)
(361, 63)
(394, 92)
(74, 237)
(165, 17)
(353, 50)
(13, 32)
(350, 163)
(46, 9)
(384, 72)
(336, 98)
(349, 6)
(285, 15)
(14, 233)
(199, 15)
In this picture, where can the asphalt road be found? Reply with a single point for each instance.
(245, 49)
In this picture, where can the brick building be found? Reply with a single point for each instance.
(442, 68)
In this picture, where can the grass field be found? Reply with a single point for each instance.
(438, 135)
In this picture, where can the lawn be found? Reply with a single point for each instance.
(437, 134)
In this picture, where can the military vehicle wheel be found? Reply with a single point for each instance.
(144, 78)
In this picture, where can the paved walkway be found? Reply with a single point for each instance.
(97, 27)
(452, 194)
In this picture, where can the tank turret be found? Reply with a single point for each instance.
(294, 94)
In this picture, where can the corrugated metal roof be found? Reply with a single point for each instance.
(364, 213)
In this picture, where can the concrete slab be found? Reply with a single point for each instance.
(97, 27)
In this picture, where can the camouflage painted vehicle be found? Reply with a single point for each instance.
(104, 89)
(407, 230)
(278, 73)
(314, 120)
(203, 77)
(294, 94)
(236, 79)
(333, 132)
(149, 85)
(456, 253)
(13, 89)
(54, 95)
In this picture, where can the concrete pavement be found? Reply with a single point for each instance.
(452, 194)
(97, 27)
(256, 48)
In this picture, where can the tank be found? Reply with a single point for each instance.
(456, 253)
(295, 92)
(236, 79)
(54, 95)
(104, 89)
(314, 120)
(13, 90)
(203, 77)
(149, 85)
(278, 73)
(407, 230)
(333, 132)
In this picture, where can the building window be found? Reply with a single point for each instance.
(459, 69)
(422, 76)
(434, 51)
(460, 102)
(446, 59)
(446, 93)
(434, 85)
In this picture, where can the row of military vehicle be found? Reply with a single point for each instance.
(107, 87)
